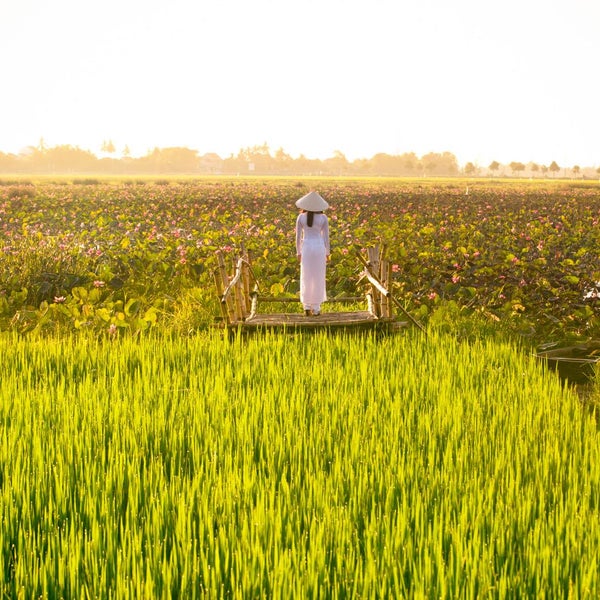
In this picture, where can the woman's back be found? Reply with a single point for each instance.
(318, 225)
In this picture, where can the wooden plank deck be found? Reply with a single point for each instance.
(355, 320)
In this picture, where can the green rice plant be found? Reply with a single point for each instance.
(306, 466)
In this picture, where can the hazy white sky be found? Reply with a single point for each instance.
(512, 80)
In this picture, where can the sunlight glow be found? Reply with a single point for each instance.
(515, 81)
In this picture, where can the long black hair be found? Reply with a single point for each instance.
(310, 215)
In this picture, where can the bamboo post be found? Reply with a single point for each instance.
(246, 281)
(373, 258)
(388, 285)
(220, 288)
(370, 306)
(226, 302)
(383, 277)
(240, 303)
(373, 266)
(233, 290)
(384, 297)
(254, 302)
(227, 298)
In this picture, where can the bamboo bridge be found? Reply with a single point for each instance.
(242, 302)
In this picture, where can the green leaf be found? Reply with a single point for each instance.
(276, 289)
(116, 283)
(151, 315)
(132, 307)
(4, 306)
(79, 293)
(104, 314)
(94, 296)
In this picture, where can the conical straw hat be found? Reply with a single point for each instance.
(313, 202)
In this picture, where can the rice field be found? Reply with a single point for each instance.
(293, 467)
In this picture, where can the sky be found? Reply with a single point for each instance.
(516, 80)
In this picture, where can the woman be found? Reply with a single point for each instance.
(312, 249)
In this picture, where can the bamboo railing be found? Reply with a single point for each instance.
(240, 296)
(234, 292)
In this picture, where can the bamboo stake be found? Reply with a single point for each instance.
(235, 286)
(373, 255)
(254, 303)
(246, 279)
(240, 304)
(370, 306)
(397, 303)
(223, 307)
(225, 298)
(390, 285)
(386, 279)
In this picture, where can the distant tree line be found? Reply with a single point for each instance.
(532, 169)
(257, 160)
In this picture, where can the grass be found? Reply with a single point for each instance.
(293, 467)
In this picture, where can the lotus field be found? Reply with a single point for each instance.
(132, 256)
(147, 455)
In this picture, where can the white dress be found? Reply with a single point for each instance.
(312, 243)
